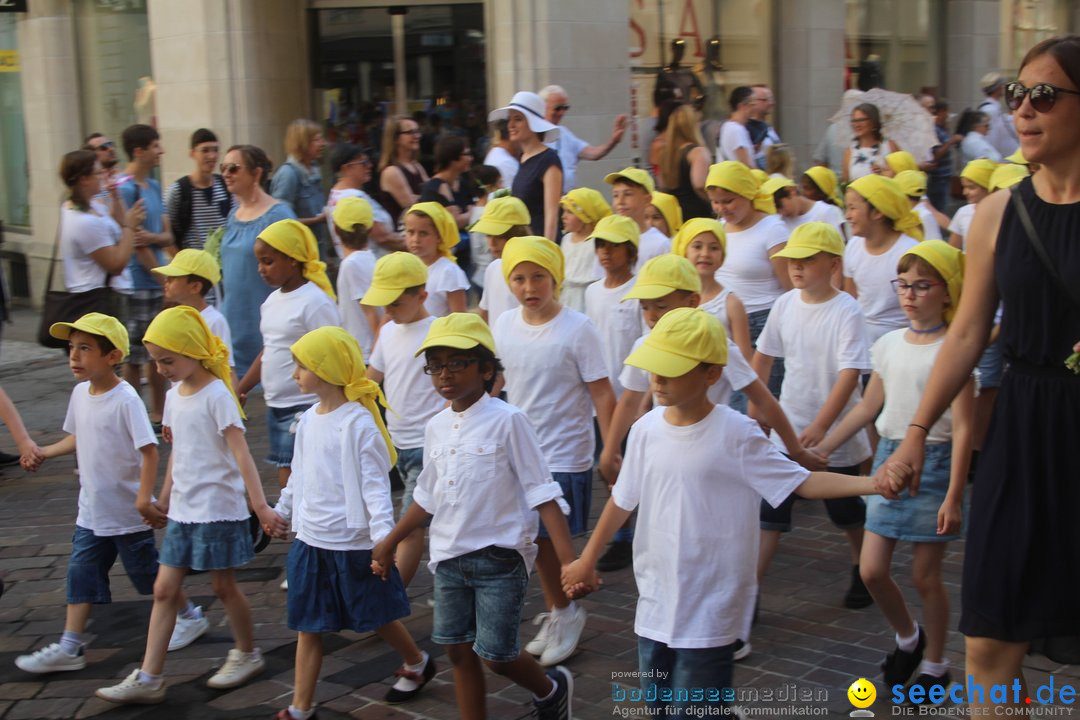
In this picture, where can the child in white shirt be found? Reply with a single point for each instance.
(398, 286)
(555, 372)
(431, 234)
(631, 195)
(504, 218)
(819, 332)
(696, 473)
(619, 323)
(109, 431)
(288, 259)
(203, 495)
(352, 219)
(483, 487)
(582, 208)
(338, 499)
(975, 182)
(664, 213)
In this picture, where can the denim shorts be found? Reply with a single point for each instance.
(143, 306)
(577, 492)
(991, 367)
(410, 461)
(846, 513)
(478, 600)
(700, 672)
(207, 546)
(92, 557)
(281, 422)
(913, 519)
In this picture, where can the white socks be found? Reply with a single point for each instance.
(908, 644)
(405, 684)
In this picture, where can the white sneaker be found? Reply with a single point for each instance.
(539, 643)
(742, 650)
(563, 635)
(50, 659)
(188, 630)
(284, 584)
(133, 692)
(239, 667)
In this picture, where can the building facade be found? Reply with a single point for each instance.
(246, 68)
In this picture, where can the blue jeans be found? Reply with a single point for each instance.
(92, 557)
(776, 375)
(692, 678)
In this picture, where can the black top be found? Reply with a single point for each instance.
(415, 182)
(692, 204)
(529, 185)
(431, 192)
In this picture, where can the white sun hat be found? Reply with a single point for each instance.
(532, 107)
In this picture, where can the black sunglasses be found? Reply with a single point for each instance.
(562, 108)
(105, 145)
(1042, 96)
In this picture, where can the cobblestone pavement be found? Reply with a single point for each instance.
(805, 642)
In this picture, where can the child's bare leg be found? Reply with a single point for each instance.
(408, 555)
(855, 541)
(308, 663)
(237, 608)
(396, 636)
(162, 617)
(770, 541)
(926, 574)
(526, 672)
(469, 687)
(874, 564)
(550, 572)
(157, 391)
(77, 615)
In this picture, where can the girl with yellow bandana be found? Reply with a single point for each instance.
(975, 182)
(431, 234)
(582, 208)
(338, 501)
(203, 495)
(288, 259)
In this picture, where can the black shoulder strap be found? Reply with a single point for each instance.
(1072, 292)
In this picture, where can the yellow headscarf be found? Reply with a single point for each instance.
(885, 195)
(586, 204)
(694, 227)
(334, 355)
(297, 241)
(669, 207)
(445, 226)
(949, 262)
(827, 183)
(979, 172)
(539, 250)
(1007, 175)
(735, 177)
(760, 175)
(183, 330)
(900, 161)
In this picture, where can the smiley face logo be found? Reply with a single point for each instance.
(862, 693)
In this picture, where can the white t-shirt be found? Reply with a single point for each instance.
(506, 163)
(618, 323)
(820, 212)
(580, 270)
(734, 135)
(698, 489)
(353, 280)
(930, 227)
(109, 429)
(653, 243)
(338, 495)
(872, 275)
(484, 474)
(207, 485)
(497, 297)
(817, 341)
(717, 307)
(547, 368)
(378, 213)
(444, 277)
(737, 375)
(82, 233)
(409, 392)
(287, 317)
(569, 147)
(904, 369)
(747, 269)
(961, 221)
(220, 327)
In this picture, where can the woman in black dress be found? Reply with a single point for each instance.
(1022, 558)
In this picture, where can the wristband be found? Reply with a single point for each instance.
(921, 427)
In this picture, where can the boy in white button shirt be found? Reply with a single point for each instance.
(483, 487)
(631, 195)
(398, 286)
(696, 472)
(819, 332)
(504, 218)
(110, 434)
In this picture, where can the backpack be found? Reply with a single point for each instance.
(181, 221)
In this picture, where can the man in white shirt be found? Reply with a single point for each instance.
(570, 147)
(735, 143)
(1002, 133)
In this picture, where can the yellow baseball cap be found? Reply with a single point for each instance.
(1007, 175)
(900, 161)
(192, 262)
(352, 211)
(662, 275)
(617, 229)
(682, 339)
(669, 207)
(811, 238)
(394, 273)
(460, 331)
(912, 182)
(500, 215)
(588, 205)
(94, 323)
(634, 175)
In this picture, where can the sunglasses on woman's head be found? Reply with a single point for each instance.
(1042, 96)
